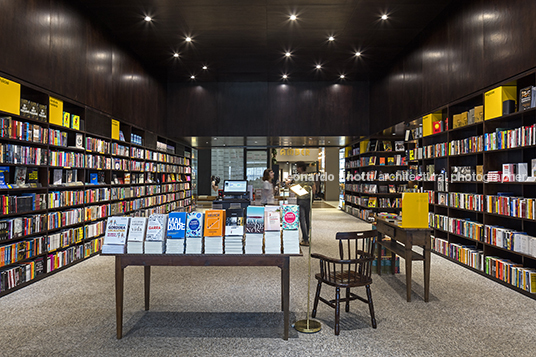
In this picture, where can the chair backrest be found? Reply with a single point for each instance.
(358, 245)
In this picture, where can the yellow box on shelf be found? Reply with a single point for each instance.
(494, 99)
(9, 96)
(55, 111)
(115, 129)
(414, 210)
(363, 146)
(428, 122)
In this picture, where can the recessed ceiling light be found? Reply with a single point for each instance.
(287, 54)
(188, 39)
(293, 17)
(384, 17)
(285, 76)
(176, 55)
(192, 77)
(318, 66)
(331, 38)
(148, 18)
(342, 76)
(205, 67)
(358, 54)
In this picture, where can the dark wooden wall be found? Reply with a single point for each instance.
(268, 109)
(50, 44)
(473, 46)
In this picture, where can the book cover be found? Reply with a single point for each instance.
(234, 222)
(255, 219)
(93, 178)
(156, 227)
(101, 177)
(136, 231)
(34, 110)
(57, 177)
(127, 178)
(387, 146)
(382, 160)
(4, 176)
(33, 177)
(116, 230)
(214, 223)
(42, 112)
(532, 163)
(522, 171)
(399, 146)
(66, 119)
(290, 217)
(390, 160)
(194, 225)
(373, 202)
(508, 173)
(392, 189)
(75, 121)
(20, 176)
(79, 142)
(272, 218)
(176, 228)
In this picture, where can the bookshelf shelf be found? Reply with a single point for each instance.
(66, 152)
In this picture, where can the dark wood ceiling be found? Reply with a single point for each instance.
(245, 40)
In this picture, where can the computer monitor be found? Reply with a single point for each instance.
(235, 187)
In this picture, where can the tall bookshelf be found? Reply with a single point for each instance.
(76, 175)
(476, 221)
(375, 173)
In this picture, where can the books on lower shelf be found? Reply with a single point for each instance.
(116, 235)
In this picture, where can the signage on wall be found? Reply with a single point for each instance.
(297, 154)
(55, 111)
(9, 96)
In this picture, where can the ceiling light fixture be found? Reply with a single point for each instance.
(205, 67)
(287, 54)
(357, 54)
(318, 66)
(285, 76)
(384, 17)
(293, 17)
(342, 76)
(188, 39)
(192, 77)
(176, 55)
(331, 38)
(148, 18)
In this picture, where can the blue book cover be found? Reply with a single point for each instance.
(176, 228)
(255, 219)
(94, 179)
(194, 225)
(4, 176)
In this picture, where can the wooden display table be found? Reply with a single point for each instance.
(148, 260)
(401, 244)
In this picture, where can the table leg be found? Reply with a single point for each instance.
(408, 271)
(286, 295)
(147, 276)
(393, 263)
(119, 278)
(379, 259)
(427, 263)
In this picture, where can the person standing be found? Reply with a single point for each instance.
(267, 195)
(304, 202)
(214, 182)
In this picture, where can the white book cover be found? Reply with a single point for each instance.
(272, 219)
(136, 232)
(116, 230)
(156, 227)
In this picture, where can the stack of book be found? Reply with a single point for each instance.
(291, 233)
(214, 230)
(254, 229)
(116, 235)
(176, 233)
(156, 233)
(234, 231)
(136, 235)
(194, 233)
(272, 230)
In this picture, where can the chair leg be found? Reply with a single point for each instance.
(347, 300)
(337, 310)
(371, 307)
(317, 296)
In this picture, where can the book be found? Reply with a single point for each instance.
(532, 163)
(382, 160)
(69, 176)
(20, 176)
(156, 227)
(214, 223)
(33, 177)
(255, 219)
(272, 218)
(390, 160)
(136, 231)
(290, 217)
(101, 177)
(234, 222)
(4, 176)
(42, 112)
(373, 202)
(392, 189)
(194, 224)
(75, 121)
(57, 177)
(176, 226)
(93, 178)
(399, 146)
(66, 119)
(116, 235)
(527, 97)
(127, 178)
(387, 146)
(79, 141)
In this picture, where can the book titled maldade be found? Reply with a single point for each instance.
(176, 232)
(116, 235)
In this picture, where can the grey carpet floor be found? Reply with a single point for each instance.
(228, 311)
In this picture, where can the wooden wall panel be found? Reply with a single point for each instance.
(472, 46)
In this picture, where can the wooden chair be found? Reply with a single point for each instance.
(353, 269)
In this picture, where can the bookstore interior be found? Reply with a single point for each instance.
(146, 173)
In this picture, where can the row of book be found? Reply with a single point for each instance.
(510, 138)
(381, 160)
(22, 226)
(374, 188)
(511, 206)
(468, 201)
(374, 202)
(502, 237)
(469, 145)
(384, 145)
(364, 214)
(214, 232)
(465, 254)
(25, 155)
(33, 110)
(24, 203)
